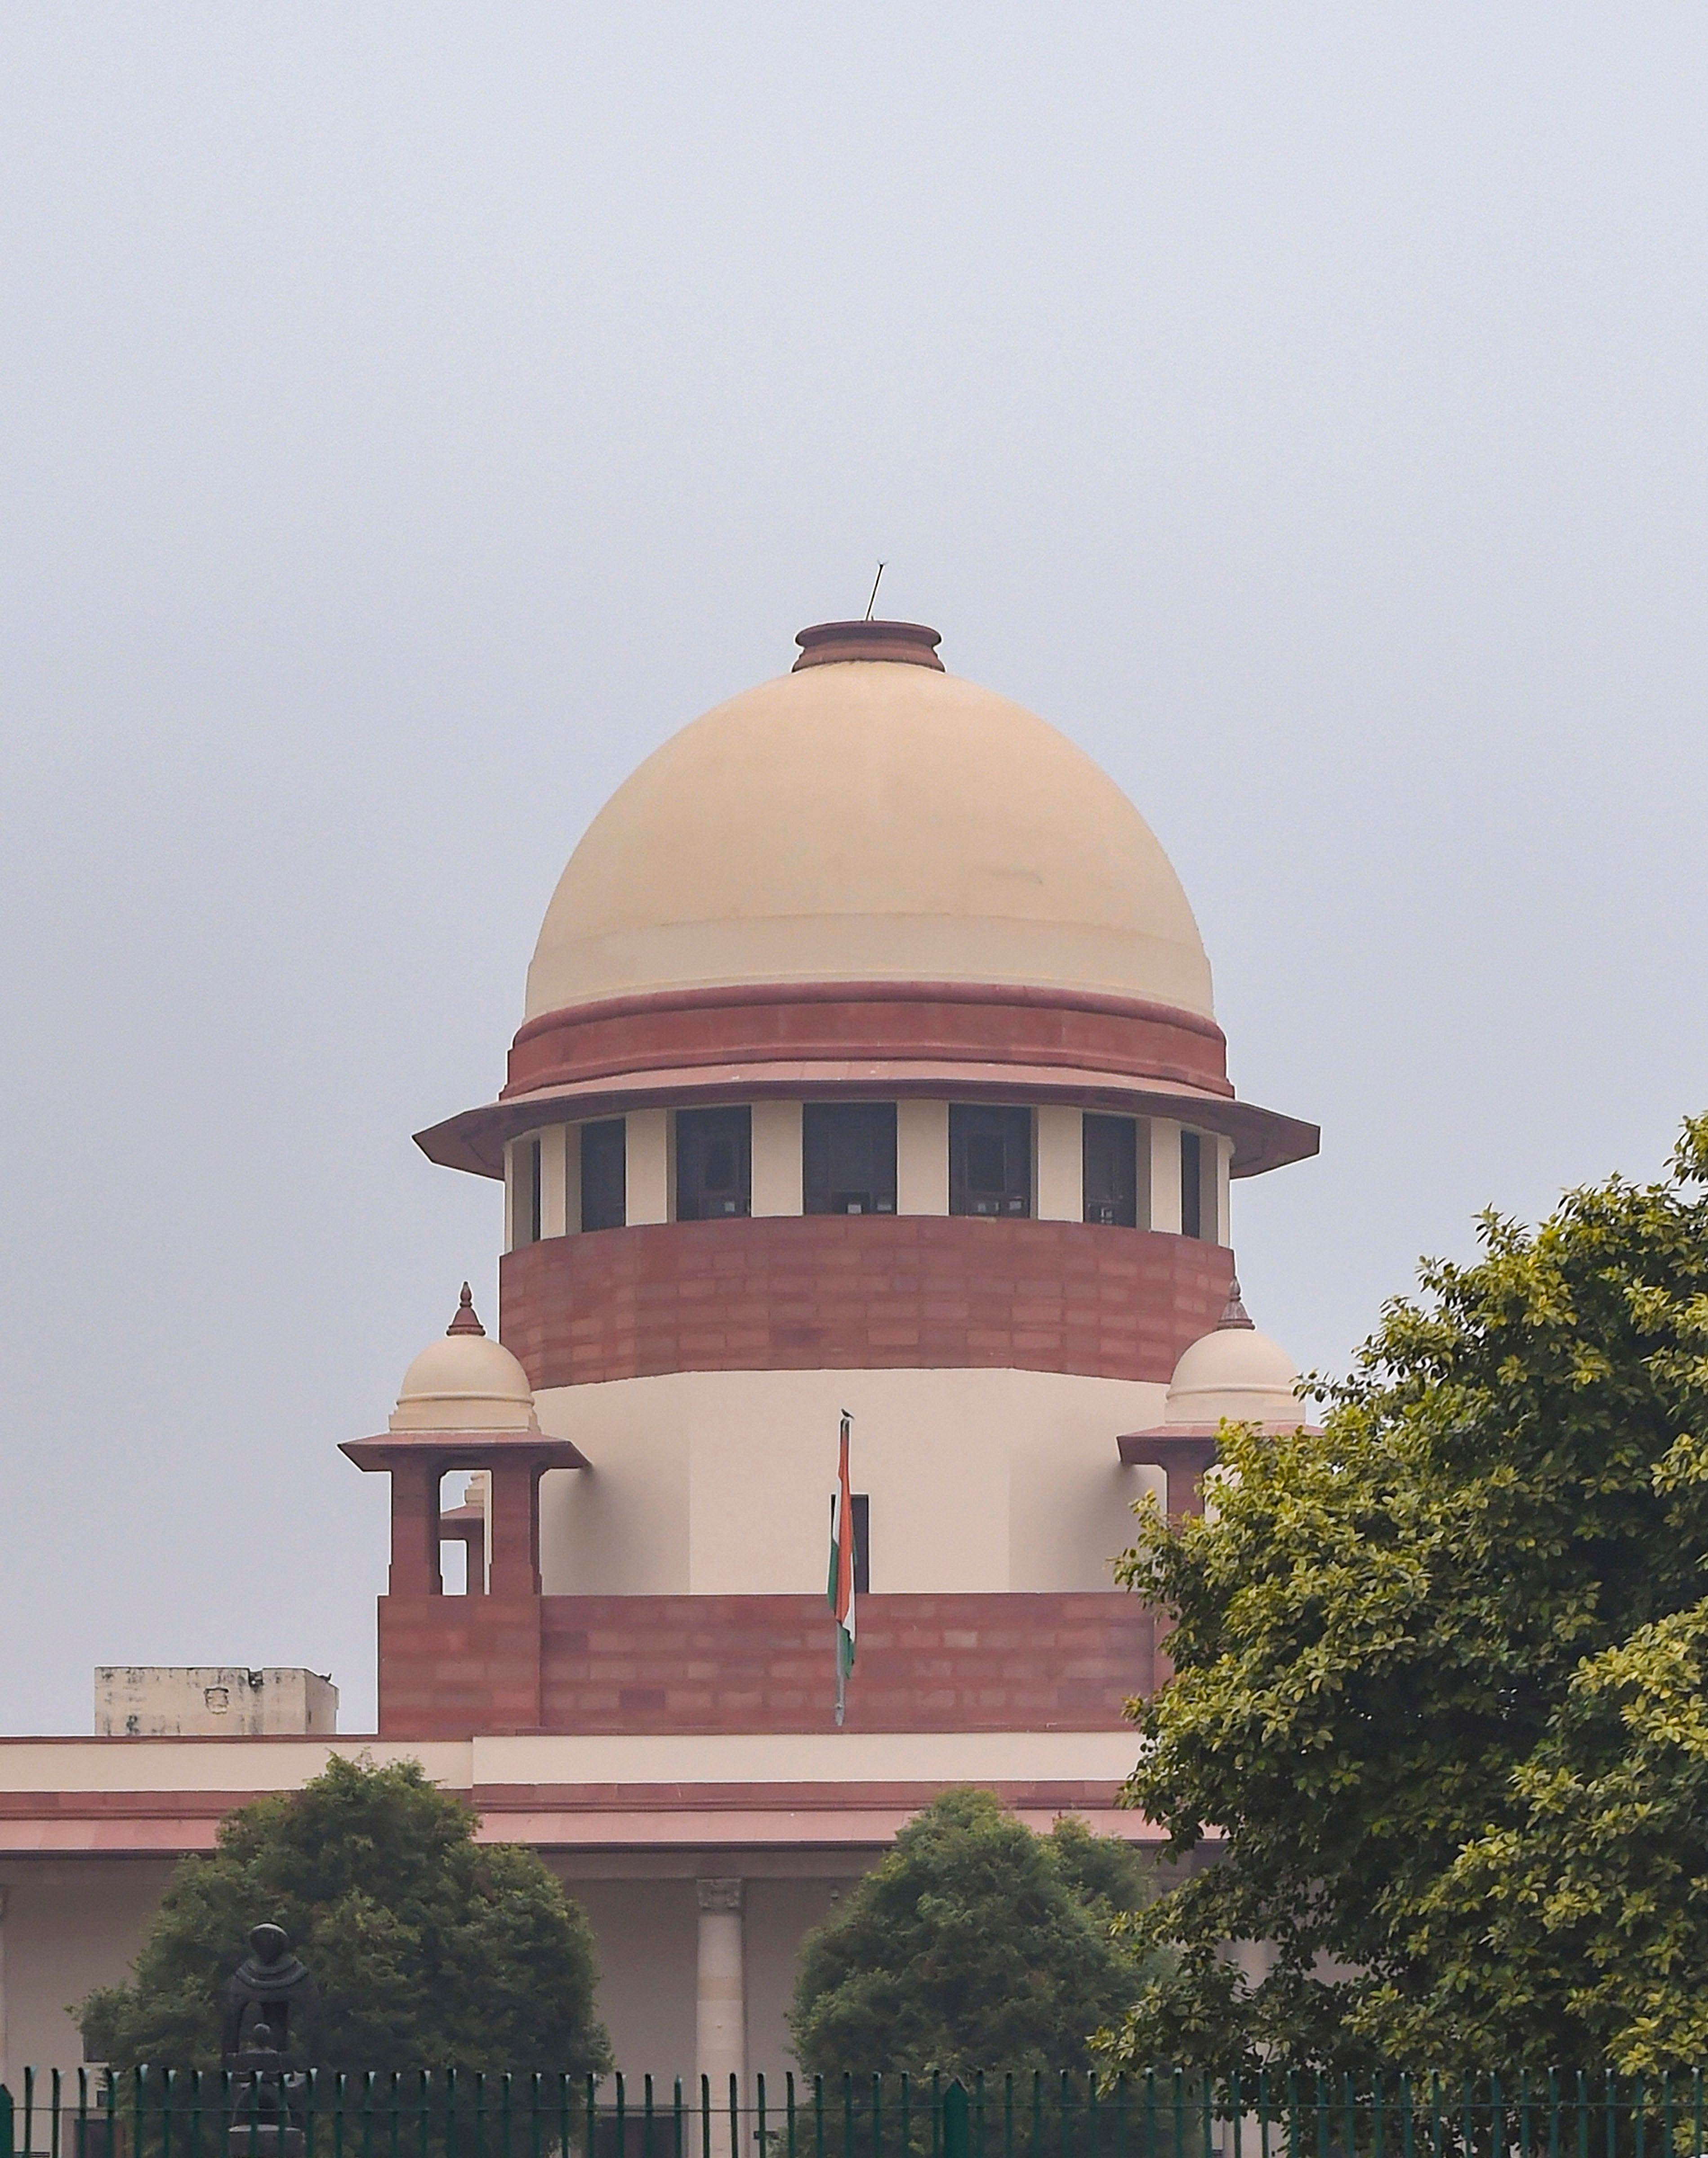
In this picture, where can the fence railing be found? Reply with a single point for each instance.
(149, 2113)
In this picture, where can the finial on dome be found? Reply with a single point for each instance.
(1235, 1314)
(910, 643)
(467, 1323)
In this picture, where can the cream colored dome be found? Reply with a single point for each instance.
(869, 821)
(465, 1382)
(1233, 1372)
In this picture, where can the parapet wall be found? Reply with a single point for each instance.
(452, 1665)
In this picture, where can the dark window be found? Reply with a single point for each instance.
(862, 1504)
(990, 1160)
(1191, 1185)
(714, 1164)
(848, 1156)
(524, 1193)
(604, 1175)
(1111, 1172)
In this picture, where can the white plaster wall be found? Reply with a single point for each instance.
(622, 1528)
(717, 1481)
(647, 1931)
(780, 1914)
(163, 1701)
(70, 1925)
(645, 1917)
(74, 1924)
(207, 1764)
(243, 1766)
(788, 1757)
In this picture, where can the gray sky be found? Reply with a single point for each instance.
(411, 415)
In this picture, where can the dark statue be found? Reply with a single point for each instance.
(271, 1986)
(271, 2006)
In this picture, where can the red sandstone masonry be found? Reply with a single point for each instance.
(815, 1292)
(672, 1663)
(669, 1029)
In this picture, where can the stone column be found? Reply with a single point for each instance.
(513, 1515)
(1059, 1186)
(921, 1157)
(720, 2007)
(1164, 1175)
(415, 1526)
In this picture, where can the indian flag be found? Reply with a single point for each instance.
(840, 1588)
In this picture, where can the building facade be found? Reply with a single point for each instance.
(868, 1065)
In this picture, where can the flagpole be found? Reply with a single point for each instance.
(842, 1567)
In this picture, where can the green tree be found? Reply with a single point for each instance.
(1439, 1677)
(429, 1949)
(974, 1945)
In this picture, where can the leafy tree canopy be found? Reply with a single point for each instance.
(429, 1949)
(974, 1944)
(1440, 1676)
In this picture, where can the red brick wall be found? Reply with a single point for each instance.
(452, 1665)
(623, 1664)
(769, 1022)
(814, 1292)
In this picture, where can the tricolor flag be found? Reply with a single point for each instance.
(840, 1588)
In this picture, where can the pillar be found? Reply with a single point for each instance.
(921, 1157)
(1187, 1462)
(513, 1512)
(777, 1158)
(572, 1181)
(721, 2004)
(414, 1526)
(648, 1170)
(553, 1181)
(1060, 1184)
(1164, 1175)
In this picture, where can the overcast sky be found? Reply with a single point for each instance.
(410, 415)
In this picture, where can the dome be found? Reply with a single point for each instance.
(465, 1381)
(1235, 1372)
(869, 820)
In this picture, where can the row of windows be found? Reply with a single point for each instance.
(848, 1165)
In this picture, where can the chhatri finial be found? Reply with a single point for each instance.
(1235, 1314)
(466, 1322)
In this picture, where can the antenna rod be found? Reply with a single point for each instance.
(876, 581)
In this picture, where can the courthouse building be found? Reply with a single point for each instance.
(869, 1064)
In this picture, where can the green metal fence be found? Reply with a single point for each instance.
(187, 2114)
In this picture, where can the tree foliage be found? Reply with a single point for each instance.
(1440, 1675)
(429, 1949)
(974, 1945)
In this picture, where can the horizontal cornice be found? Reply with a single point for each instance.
(766, 1041)
(892, 1022)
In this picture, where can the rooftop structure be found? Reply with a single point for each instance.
(868, 1061)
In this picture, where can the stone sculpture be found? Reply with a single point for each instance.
(271, 1986)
